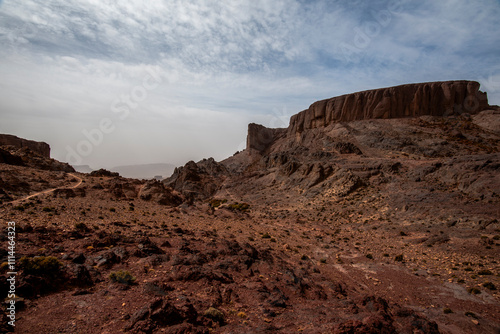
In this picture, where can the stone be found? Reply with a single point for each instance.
(156, 191)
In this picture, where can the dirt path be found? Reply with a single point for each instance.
(48, 191)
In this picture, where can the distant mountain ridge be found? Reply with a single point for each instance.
(145, 171)
(83, 168)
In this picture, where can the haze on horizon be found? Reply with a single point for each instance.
(171, 81)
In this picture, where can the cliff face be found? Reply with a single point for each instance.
(371, 138)
(259, 137)
(40, 148)
(433, 98)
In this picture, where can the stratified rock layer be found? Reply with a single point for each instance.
(40, 148)
(259, 137)
(432, 98)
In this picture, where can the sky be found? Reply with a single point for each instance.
(109, 83)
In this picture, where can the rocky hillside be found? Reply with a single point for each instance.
(349, 142)
(23, 152)
(41, 148)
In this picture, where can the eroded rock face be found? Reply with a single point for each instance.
(156, 191)
(342, 145)
(40, 148)
(7, 158)
(23, 152)
(259, 137)
(197, 180)
(433, 98)
(12, 155)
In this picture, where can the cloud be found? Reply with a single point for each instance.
(64, 63)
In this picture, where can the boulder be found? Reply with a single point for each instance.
(156, 191)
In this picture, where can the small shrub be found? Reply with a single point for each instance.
(242, 207)
(385, 255)
(471, 314)
(473, 291)
(304, 257)
(215, 203)
(468, 269)
(122, 276)
(4, 266)
(490, 286)
(399, 258)
(484, 272)
(266, 236)
(214, 314)
(403, 234)
(447, 310)
(322, 261)
(369, 256)
(81, 227)
(112, 209)
(41, 265)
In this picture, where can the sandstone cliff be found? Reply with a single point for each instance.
(338, 145)
(40, 148)
(432, 98)
(259, 137)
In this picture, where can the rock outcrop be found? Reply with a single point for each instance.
(104, 173)
(12, 155)
(197, 180)
(7, 158)
(432, 98)
(156, 191)
(40, 148)
(259, 137)
(23, 152)
(343, 145)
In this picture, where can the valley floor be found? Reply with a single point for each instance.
(280, 266)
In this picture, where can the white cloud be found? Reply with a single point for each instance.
(223, 65)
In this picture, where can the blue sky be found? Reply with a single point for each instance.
(110, 83)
